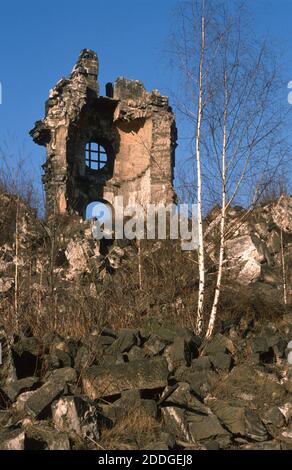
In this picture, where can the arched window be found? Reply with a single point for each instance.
(95, 156)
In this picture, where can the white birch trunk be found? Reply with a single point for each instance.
(222, 224)
(201, 261)
(16, 262)
(283, 270)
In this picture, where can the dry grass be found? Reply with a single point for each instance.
(168, 290)
(133, 431)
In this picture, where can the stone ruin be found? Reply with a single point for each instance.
(99, 147)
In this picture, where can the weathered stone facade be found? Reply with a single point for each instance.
(136, 129)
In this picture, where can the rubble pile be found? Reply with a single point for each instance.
(233, 392)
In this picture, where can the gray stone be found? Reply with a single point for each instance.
(126, 340)
(260, 345)
(212, 445)
(111, 358)
(6, 418)
(240, 421)
(168, 333)
(190, 420)
(136, 353)
(64, 375)
(203, 428)
(13, 389)
(83, 358)
(274, 416)
(77, 414)
(282, 213)
(12, 440)
(200, 381)
(246, 252)
(41, 436)
(177, 354)
(221, 361)
(20, 403)
(255, 428)
(232, 417)
(201, 363)
(42, 398)
(59, 359)
(154, 345)
(30, 345)
(219, 344)
(279, 348)
(143, 374)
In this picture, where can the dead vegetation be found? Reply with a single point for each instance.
(165, 287)
(137, 423)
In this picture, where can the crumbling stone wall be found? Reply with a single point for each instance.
(136, 128)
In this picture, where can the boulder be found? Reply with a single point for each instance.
(282, 213)
(240, 421)
(42, 398)
(125, 341)
(77, 254)
(154, 345)
(59, 358)
(20, 403)
(15, 388)
(178, 354)
(144, 374)
(64, 375)
(247, 252)
(286, 410)
(41, 436)
(218, 344)
(221, 361)
(274, 242)
(199, 381)
(12, 439)
(76, 414)
(274, 416)
(39, 402)
(136, 353)
(201, 363)
(83, 358)
(189, 419)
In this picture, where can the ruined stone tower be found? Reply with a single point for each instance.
(98, 147)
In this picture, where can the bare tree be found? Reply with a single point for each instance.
(238, 115)
(199, 321)
(284, 274)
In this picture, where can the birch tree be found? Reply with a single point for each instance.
(201, 263)
(238, 117)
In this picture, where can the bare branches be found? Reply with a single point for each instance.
(233, 107)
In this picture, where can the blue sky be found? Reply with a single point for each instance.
(40, 42)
